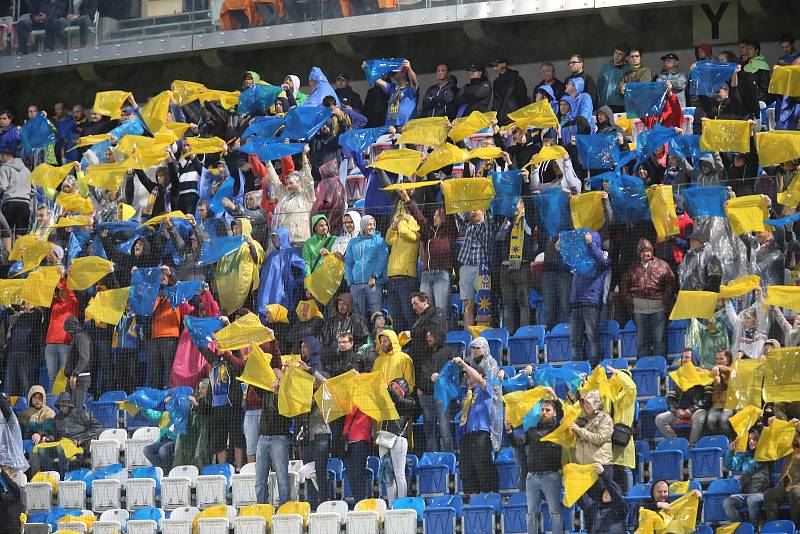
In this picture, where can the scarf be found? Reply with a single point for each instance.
(466, 405)
(394, 104)
(517, 241)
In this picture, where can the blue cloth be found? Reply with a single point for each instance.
(708, 77)
(258, 98)
(282, 275)
(598, 151)
(479, 416)
(402, 104)
(182, 292)
(518, 382)
(375, 69)
(145, 285)
(178, 408)
(783, 221)
(507, 187)
(147, 398)
(588, 283)
(445, 389)
(549, 376)
(36, 133)
(627, 196)
(9, 140)
(214, 250)
(360, 140)
(650, 140)
(263, 127)
(271, 150)
(322, 89)
(225, 190)
(575, 252)
(645, 99)
(710, 200)
(686, 146)
(303, 122)
(552, 205)
(202, 329)
(531, 419)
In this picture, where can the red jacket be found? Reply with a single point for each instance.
(63, 306)
(671, 116)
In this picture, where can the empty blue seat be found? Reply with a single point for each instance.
(642, 459)
(433, 473)
(557, 347)
(778, 527)
(703, 529)
(507, 474)
(745, 528)
(21, 405)
(115, 395)
(225, 470)
(676, 333)
(628, 348)
(441, 513)
(667, 460)
(616, 363)
(458, 340)
(647, 417)
(523, 348)
(479, 514)
(705, 460)
(636, 494)
(648, 375)
(410, 503)
(713, 497)
(515, 513)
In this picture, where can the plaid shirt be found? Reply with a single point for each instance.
(477, 243)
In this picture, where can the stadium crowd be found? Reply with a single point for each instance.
(218, 257)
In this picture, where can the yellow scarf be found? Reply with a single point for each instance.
(465, 406)
(517, 241)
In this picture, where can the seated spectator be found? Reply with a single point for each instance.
(610, 513)
(753, 479)
(36, 421)
(786, 489)
(161, 453)
(689, 406)
(717, 419)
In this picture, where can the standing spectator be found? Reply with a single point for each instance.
(295, 200)
(16, 191)
(64, 124)
(750, 328)
(347, 96)
(476, 95)
(427, 318)
(510, 92)
(318, 245)
(701, 268)
(392, 362)
(670, 73)
(274, 448)
(357, 433)
(623, 404)
(375, 105)
(611, 75)
(480, 356)
(791, 331)
(688, 406)
(548, 72)
(437, 233)
(403, 238)
(403, 93)
(753, 479)
(9, 133)
(282, 273)
(649, 287)
(515, 252)
(474, 255)
(790, 54)
(345, 319)
(576, 71)
(58, 340)
(165, 332)
(717, 418)
(638, 72)
(24, 336)
(427, 366)
(405, 403)
(78, 366)
(440, 98)
(756, 74)
(366, 260)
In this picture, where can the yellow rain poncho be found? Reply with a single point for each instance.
(237, 275)
(586, 210)
(295, 392)
(623, 399)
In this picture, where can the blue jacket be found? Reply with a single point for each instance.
(9, 138)
(366, 257)
(591, 289)
(607, 83)
(282, 275)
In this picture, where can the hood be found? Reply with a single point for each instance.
(279, 313)
(284, 238)
(393, 337)
(774, 342)
(295, 84)
(306, 309)
(145, 247)
(707, 158)
(705, 47)
(322, 89)
(317, 75)
(439, 336)
(253, 74)
(573, 109)
(547, 91)
(609, 113)
(34, 390)
(356, 222)
(314, 346)
(72, 326)
(643, 244)
(756, 64)
(347, 298)
(578, 83)
(58, 252)
(380, 313)
(364, 221)
(15, 164)
(698, 235)
(247, 226)
(64, 399)
(315, 219)
(481, 343)
(593, 397)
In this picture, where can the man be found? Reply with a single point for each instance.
(427, 365)
(344, 320)
(403, 91)
(345, 357)
(648, 287)
(440, 98)
(64, 126)
(392, 362)
(16, 191)
(36, 420)
(428, 318)
(347, 96)
(79, 362)
(670, 73)
(548, 72)
(474, 254)
(754, 479)
(295, 200)
(576, 71)
(790, 54)
(403, 239)
(689, 406)
(611, 74)
(754, 78)
(274, 446)
(510, 92)
(515, 252)
(476, 95)
(252, 211)
(9, 133)
(701, 268)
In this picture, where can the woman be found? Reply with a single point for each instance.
(351, 221)
(191, 448)
(318, 245)
(436, 252)
(717, 418)
(749, 327)
(481, 357)
(392, 439)
(158, 189)
(365, 263)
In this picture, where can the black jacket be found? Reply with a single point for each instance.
(696, 398)
(431, 360)
(80, 354)
(510, 94)
(77, 425)
(542, 456)
(476, 95)
(431, 319)
(609, 518)
(272, 423)
(348, 97)
(375, 105)
(440, 100)
(407, 408)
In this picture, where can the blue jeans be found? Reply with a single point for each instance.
(549, 485)
(367, 299)
(44, 460)
(650, 329)
(55, 356)
(273, 453)
(556, 286)
(436, 284)
(585, 323)
(400, 290)
(161, 454)
(317, 451)
(433, 419)
(521, 460)
(753, 501)
(250, 427)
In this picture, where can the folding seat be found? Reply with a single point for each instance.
(676, 334)
(339, 508)
(401, 520)
(176, 489)
(647, 418)
(434, 472)
(648, 375)
(140, 493)
(507, 474)
(668, 458)
(254, 519)
(216, 524)
(498, 341)
(39, 495)
(705, 460)
(291, 518)
(713, 497)
(243, 487)
(557, 347)
(111, 521)
(106, 449)
(71, 494)
(441, 514)
(523, 347)
(212, 486)
(134, 447)
(180, 520)
(106, 494)
(145, 521)
(628, 344)
(778, 527)
(481, 513)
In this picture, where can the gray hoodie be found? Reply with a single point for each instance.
(15, 181)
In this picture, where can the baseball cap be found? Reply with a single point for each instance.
(475, 68)
(671, 55)
(498, 61)
(343, 76)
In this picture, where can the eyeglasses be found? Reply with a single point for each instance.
(575, 62)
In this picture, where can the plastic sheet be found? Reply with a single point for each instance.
(257, 98)
(257, 370)
(324, 281)
(644, 99)
(790, 197)
(782, 375)
(467, 194)
(577, 481)
(650, 140)
(708, 76)
(369, 394)
(536, 115)
(785, 80)
(628, 198)
(688, 376)
(263, 127)
(745, 385)
(662, 211)
(709, 201)
(303, 123)
(510, 384)
(429, 131)
(784, 297)
(360, 140)
(507, 187)
(244, 331)
(469, 125)
(49, 176)
(446, 389)
(551, 376)
(447, 154)
(270, 151)
(12, 453)
(295, 393)
(722, 244)
(178, 407)
(183, 291)
(531, 419)
(52, 517)
(563, 435)
(156, 112)
(575, 252)
(219, 247)
(87, 271)
(725, 136)
(740, 286)
(145, 285)
(548, 153)
(691, 304)
(599, 151)
(552, 205)
(109, 103)
(202, 329)
(747, 214)
(681, 518)
(333, 396)
(775, 441)
(38, 287)
(108, 306)
(519, 403)
(147, 398)
(375, 69)
(686, 146)
(403, 161)
(587, 211)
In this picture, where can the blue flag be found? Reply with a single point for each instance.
(686, 146)
(650, 140)
(518, 382)
(225, 190)
(599, 151)
(627, 196)
(575, 252)
(645, 99)
(304, 122)
(507, 187)
(182, 291)
(709, 201)
(708, 77)
(360, 140)
(263, 127)
(145, 284)
(214, 250)
(552, 205)
(551, 376)
(36, 133)
(531, 419)
(783, 221)
(445, 389)
(375, 69)
(271, 150)
(202, 329)
(131, 127)
(258, 98)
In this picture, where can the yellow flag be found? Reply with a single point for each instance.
(429, 131)
(740, 286)
(154, 113)
(747, 214)
(785, 80)
(408, 186)
(90, 140)
(333, 396)
(183, 90)
(599, 381)
(662, 211)
(108, 306)
(782, 375)
(476, 330)
(177, 129)
(369, 394)
(244, 331)
(60, 383)
(784, 297)
(586, 210)
(85, 272)
(158, 219)
(730, 528)
(10, 291)
(519, 403)
(144, 159)
(404, 161)
(30, 250)
(130, 143)
(68, 222)
(202, 145)
(326, 278)
(536, 115)
(681, 518)
(563, 435)
(125, 211)
(109, 103)
(107, 176)
(48, 176)
(777, 146)
(688, 376)
(690, 304)
(467, 194)
(257, 369)
(577, 481)
(745, 385)
(790, 197)
(775, 441)
(548, 153)
(486, 152)
(650, 522)
(447, 154)
(39, 286)
(679, 487)
(466, 126)
(75, 202)
(741, 422)
(725, 136)
(227, 99)
(295, 392)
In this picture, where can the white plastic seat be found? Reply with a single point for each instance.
(210, 490)
(116, 514)
(106, 494)
(106, 527)
(176, 489)
(152, 433)
(213, 525)
(120, 435)
(243, 490)
(36, 528)
(287, 524)
(111, 521)
(188, 471)
(294, 488)
(72, 526)
(134, 447)
(105, 450)
(38, 497)
(337, 507)
(380, 506)
(187, 513)
(176, 526)
(324, 523)
(250, 525)
(140, 493)
(72, 494)
(248, 469)
(400, 521)
(142, 526)
(363, 522)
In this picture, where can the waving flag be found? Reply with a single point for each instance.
(145, 285)
(270, 151)
(575, 252)
(645, 99)
(466, 126)
(258, 98)
(108, 306)
(552, 205)
(263, 127)
(598, 151)
(403, 161)
(109, 103)
(662, 211)
(650, 140)
(467, 194)
(709, 200)
(537, 115)
(303, 122)
(375, 69)
(36, 133)
(447, 154)
(360, 140)
(219, 247)
(775, 441)
(48, 176)
(777, 146)
(691, 304)
(156, 111)
(257, 369)
(182, 292)
(708, 76)
(747, 214)
(202, 329)
(587, 210)
(429, 131)
(725, 136)
(507, 188)
(785, 80)
(686, 146)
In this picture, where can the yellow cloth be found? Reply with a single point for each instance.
(548, 153)
(183, 90)
(785, 80)
(747, 214)
(108, 306)
(740, 286)
(485, 152)
(87, 271)
(307, 309)
(369, 394)
(257, 369)
(334, 397)
(725, 136)
(650, 522)
(782, 375)
(244, 331)
(519, 403)
(777, 146)
(265, 511)
(477, 329)
(10, 291)
(599, 381)
(163, 217)
(44, 476)
(74, 202)
(326, 278)
(87, 520)
(295, 392)
(129, 143)
(278, 313)
(176, 128)
(775, 441)
(30, 250)
(60, 383)
(429, 131)
(563, 435)
(662, 211)
(745, 385)
(536, 115)
(587, 210)
(202, 145)
(67, 445)
(690, 304)
(49, 176)
(403, 161)
(39, 286)
(784, 297)
(293, 507)
(227, 99)
(155, 112)
(125, 212)
(466, 126)
(679, 487)
(90, 140)
(447, 154)
(218, 510)
(741, 422)
(681, 518)
(407, 186)
(68, 222)
(577, 481)
(105, 175)
(730, 528)
(790, 197)
(109, 103)
(688, 376)
(144, 159)
(395, 363)
(467, 194)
